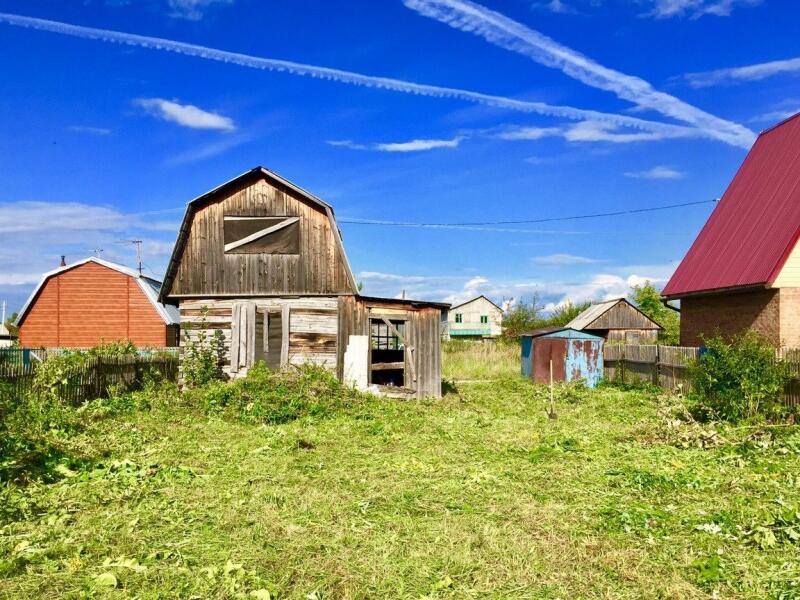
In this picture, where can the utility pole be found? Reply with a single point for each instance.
(138, 244)
(98, 252)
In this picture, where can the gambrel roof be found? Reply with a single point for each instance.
(149, 286)
(756, 224)
(220, 191)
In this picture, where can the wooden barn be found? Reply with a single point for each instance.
(617, 321)
(94, 301)
(475, 319)
(742, 273)
(262, 261)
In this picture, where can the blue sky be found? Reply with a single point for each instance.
(552, 108)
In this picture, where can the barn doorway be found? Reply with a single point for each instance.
(387, 352)
(259, 334)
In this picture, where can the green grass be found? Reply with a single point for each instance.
(469, 360)
(479, 495)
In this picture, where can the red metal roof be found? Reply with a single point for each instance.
(756, 224)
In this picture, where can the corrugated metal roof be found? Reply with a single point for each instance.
(592, 313)
(150, 287)
(756, 224)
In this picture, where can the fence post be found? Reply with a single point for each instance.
(657, 370)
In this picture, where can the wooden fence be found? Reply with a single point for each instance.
(91, 379)
(668, 366)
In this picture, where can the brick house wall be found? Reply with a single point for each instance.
(790, 317)
(732, 313)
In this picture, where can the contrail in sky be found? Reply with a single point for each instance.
(506, 33)
(271, 64)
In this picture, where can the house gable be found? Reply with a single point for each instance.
(756, 224)
(789, 273)
(258, 235)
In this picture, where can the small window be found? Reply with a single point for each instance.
(459, 318)
(261, 235)
(484, 319)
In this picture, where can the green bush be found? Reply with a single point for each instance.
(740, 379)
(266, 396)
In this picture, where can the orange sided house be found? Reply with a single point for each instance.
(95, 301)
(259, 263)
(743, 271)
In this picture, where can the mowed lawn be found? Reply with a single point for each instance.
(478, 495)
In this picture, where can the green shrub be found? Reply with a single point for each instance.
(740, 379)
(266, 396)
(201, 361)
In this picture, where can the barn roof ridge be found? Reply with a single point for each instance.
(167, 313)
(595, 311)
(258, 171)
(756, 224)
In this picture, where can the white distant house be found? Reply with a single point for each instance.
(474, 319)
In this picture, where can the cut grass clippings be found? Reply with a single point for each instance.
(477, 495)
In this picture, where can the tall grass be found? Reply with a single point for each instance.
(484, 359)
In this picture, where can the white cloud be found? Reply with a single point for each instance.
(556, 6)
(613, 283)
(657, 172)
(206, 151)
(19, 278)
(419, 145)
(563, 260)
(755, 72)
(776, 116)
(338, 75)
(529, 133)
(506, 33)
(36, 233)
(594, 131)
(89, 129)
(193, 10)
(186, 115)
(695, 9)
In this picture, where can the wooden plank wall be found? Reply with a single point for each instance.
(313, 327)
(204, 269)
(423, 333)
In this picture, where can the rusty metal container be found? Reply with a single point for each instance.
(574, 354)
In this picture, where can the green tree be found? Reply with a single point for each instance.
(10, 324)
(648, 299)
(563, 314)
(523, 316)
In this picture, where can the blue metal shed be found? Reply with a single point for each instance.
(574, 355)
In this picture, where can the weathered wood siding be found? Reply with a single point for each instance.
(422, 332)
(622, 316)
(313, 325)
(632, 336)
(204, 269)
(89, 305)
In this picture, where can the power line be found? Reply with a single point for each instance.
(527, 221)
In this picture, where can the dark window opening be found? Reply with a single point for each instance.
(459, 318)
(387, 353)
(261, 235)
(484, 319)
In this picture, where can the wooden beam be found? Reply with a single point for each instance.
(285, 319)
(235, 314)
(259, 234)
(388, 366)
(409, 349)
